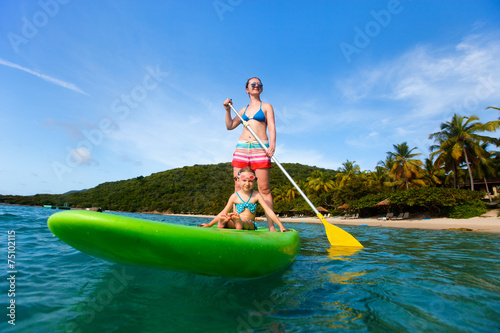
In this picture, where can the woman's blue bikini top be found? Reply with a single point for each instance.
(259, 116)
(240, 207)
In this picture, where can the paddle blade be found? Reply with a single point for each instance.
(342, 252)
(337, 236)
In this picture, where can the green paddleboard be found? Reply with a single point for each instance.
(206, 251)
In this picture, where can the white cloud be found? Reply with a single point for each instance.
(173, 141)
(425, 86)
(81, 156)
(430, 80)
(47, 78)
(407, 97)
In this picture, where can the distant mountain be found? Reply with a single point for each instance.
(74, 191)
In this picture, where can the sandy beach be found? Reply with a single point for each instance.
(488, 222)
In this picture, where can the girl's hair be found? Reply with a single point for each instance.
(254, 77)
(245, 169)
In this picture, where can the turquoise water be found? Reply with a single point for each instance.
(402, 281)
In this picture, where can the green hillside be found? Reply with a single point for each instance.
(200, 189)
(204, 189)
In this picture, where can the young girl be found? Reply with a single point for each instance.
(245, 203)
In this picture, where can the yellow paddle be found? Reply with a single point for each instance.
(336, 236)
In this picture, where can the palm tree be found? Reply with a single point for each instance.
(287, 192)
(405, 166)
(347, 172)
(279, 193)
(485, 168)
(432, 175)
(445, 160)
(459, 144)
(495, 162)
(378, 179)
(292, 192)
(492, 107)
(319, 182)
(388, 163)
(387, 167)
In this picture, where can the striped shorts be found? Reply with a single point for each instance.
(251, 153)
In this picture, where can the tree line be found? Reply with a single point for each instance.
(460, 156)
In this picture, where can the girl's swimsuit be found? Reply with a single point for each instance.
(240, 207)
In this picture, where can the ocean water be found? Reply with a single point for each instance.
(402, 281)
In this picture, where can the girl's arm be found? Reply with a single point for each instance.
(223, 212)
(229, 204)
(270, 213)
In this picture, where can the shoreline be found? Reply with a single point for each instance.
(488, 222)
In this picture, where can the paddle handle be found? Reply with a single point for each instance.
(275, 160)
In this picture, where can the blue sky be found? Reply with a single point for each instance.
(99, 91)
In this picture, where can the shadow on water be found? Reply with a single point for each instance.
(147, 300)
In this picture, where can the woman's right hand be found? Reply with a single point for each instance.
(226, 104)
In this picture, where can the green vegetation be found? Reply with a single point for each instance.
(200, 189)
(467, 211)
(461, 156)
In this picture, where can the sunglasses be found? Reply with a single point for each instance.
(251, 177)
(258, 84)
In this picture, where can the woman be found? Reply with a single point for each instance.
(260, 117)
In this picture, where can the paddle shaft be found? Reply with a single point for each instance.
(336, 236)
(275, 160)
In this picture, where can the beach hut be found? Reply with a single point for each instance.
(385, 202)
(323, 211)
(344, 206)
(296, 212)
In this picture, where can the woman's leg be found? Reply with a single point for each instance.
(235, 173)
(263, 182)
